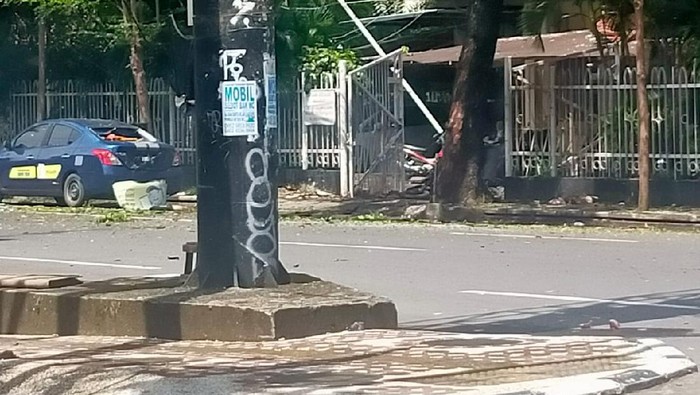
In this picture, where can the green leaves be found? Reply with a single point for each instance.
(319, 60)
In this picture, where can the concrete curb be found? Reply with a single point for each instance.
(550, 215)
(166, 309)
(657, 364)
(512, 214)
(587, 214)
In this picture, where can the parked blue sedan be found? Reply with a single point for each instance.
(74, 160)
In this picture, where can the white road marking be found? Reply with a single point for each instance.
(360, 247)
(509, 236)
(564, 298)
(78, 263)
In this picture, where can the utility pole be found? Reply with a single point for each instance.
(236, 110)
(643, 109)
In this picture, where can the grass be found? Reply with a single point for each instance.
(114, 217)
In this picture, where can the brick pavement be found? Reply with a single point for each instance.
(373, 361)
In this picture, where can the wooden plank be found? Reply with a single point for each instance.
(36, 281)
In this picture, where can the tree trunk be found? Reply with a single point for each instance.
(41, 80)
(138, 71)
(643, 109)
(459, 179)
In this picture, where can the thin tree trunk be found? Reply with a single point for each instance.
(41, 80)
(459, 170)
(643, 108)
(136, 62)
(140, 81)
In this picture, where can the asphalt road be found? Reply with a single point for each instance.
(542, 280)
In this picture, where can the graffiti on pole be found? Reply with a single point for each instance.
(249, 109)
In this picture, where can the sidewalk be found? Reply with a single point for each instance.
(368, 362)
(296, 204)
(309, 205)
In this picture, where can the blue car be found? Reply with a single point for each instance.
(74, 160)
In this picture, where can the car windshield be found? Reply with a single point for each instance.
(124, 134)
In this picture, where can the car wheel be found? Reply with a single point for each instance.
(73, 192)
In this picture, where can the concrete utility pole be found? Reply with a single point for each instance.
(236, 109)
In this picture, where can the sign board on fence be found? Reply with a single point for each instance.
(239, 100)
(320, 108)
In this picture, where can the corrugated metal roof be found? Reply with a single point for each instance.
(556, 45)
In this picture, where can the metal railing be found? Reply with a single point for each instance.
(353, 124)
(576, 119)
(304, 145)
(78, 99)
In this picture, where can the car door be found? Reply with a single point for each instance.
(57, 158)
(19, 176)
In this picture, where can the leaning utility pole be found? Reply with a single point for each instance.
(236, 110)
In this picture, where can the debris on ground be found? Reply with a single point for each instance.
(614, 324)
(138, 196)
(304, 192)
(558, 201)
(7, 354)
(572, 200)
(357, 326)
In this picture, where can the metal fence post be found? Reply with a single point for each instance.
(303, 130)
(508, 115)
(552, 121)
(172, 109)
(351, 137)
(345, 185)
(399, 112)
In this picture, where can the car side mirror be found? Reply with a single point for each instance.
(7, 145)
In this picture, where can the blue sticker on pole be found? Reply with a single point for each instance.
(239, 100)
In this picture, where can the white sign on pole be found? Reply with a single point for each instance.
(239, 100)
(320, 108)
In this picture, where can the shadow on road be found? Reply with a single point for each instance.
(565, 318)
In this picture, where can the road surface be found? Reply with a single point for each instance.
(537, 280)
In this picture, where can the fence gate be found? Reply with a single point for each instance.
(376, 121)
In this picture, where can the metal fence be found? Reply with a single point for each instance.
(322, 124)
(77, 99)
(574, 118)
(302, 142)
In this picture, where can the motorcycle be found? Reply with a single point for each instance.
(419, 167)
